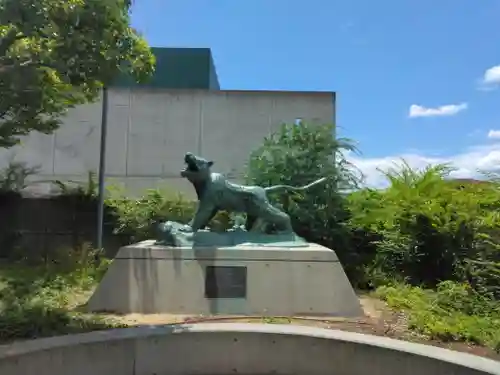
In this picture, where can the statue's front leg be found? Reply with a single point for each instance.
(202, 217)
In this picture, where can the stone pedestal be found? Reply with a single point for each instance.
(240, 280)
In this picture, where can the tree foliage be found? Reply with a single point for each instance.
(55, 54)
(297, 155)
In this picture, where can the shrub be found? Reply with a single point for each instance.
(79, 189)
(14, 178)
(39, 301)
(137, 218)
(426, 229)
(453, 312)
(297, 155)
(29, 321)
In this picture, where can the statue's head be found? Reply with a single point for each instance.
(197, 168)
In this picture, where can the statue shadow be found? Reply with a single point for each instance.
(206, 256)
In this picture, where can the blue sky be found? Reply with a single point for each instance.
(414, 78)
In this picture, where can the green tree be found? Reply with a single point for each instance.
(297, 155)
(55, 54)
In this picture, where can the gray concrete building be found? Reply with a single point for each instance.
(152, 125)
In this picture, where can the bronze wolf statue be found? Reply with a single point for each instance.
(216, 193)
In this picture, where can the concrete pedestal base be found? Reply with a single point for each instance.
(242, 280)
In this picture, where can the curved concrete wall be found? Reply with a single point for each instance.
(225, 348)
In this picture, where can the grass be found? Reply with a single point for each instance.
(39, 302)
(453, 312)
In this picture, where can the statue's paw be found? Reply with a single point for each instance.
(238, 228)
(165, 227)
(186, 229)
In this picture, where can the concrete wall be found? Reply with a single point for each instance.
(229, 348)
(149, 130)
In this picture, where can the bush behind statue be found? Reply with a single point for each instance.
(296, 155)
(138, 218)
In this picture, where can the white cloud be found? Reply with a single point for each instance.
(491, 78)
(476, 133)
(444, 110)
(494, 134)
(467, 163)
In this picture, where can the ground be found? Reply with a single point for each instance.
(378, 320)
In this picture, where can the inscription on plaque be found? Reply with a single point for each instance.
(225, 282)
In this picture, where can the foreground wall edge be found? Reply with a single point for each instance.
(327, 350)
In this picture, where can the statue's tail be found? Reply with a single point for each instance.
(272, 189)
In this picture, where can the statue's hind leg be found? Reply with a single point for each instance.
(250, 222)
(259, 226)
(284, 223)
(279, 220)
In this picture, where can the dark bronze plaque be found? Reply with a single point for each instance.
(225, 282)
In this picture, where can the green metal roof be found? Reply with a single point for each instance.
(178, 68)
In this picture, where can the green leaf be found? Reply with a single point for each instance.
(56, 54)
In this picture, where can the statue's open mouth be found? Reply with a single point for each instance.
(191, 165)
